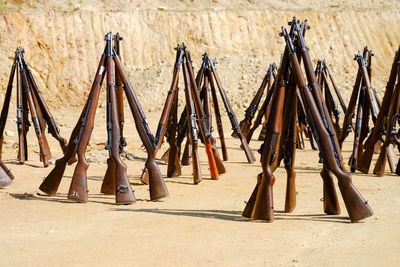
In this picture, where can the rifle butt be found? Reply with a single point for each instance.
(353, 164)
(248, 210)
(290, 199)
(158, 189)
(174, 166)
(51, 183)
(330, 199)
(211, 162)
(78, 190)
(123, 191)
(357, 207)
(108, 185)
(264, 205)
(379, 169)
(391, 158)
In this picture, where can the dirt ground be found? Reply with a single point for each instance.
(197, 224)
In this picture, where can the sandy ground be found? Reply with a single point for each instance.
(196, 225)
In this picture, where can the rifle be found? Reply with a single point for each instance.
(356, 206)
(120, 93)
(6, 105)
(391, 132)
(357, 130)
(204, 130)
(123, 190)
(326, 70)
(191, 120)
(231, 114)
(44, 149)
(157, 185)
(364, 161)
(48, 117)
(174, 167)
(21, 127)
(52, 181)
(250, 112)
(207, 111)
(217, 116)
(165, 115)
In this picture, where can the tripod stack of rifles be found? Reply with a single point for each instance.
(290, 89)
(296, 103)
(195, 121)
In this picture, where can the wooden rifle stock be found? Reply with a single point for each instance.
(330, 199)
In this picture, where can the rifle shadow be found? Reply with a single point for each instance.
(133, 179)
(321, 217)
(62, 198)
(209, 214)
(231, 215)
(14, 162)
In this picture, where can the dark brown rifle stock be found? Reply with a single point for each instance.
(158, 189)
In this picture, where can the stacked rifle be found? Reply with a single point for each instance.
(384, 135)
(195, 121)
(116, 179)
(29, 99)
(280, 138)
